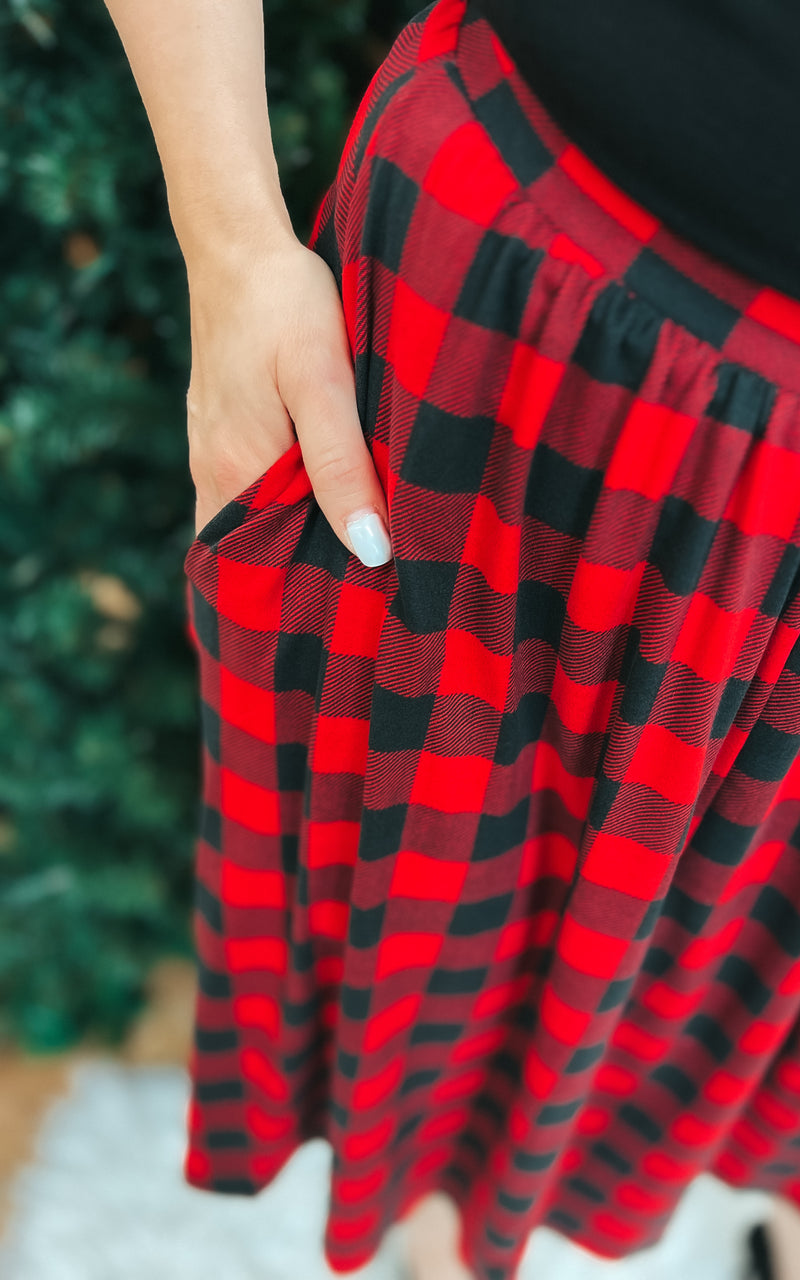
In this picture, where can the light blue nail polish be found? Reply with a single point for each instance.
(370, 539)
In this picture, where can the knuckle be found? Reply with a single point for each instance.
(337, 474)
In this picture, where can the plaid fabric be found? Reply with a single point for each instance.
(498, 860)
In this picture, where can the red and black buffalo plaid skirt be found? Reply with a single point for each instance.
(498, 860)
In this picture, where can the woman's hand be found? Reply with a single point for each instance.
(270, 355)
(271, 360)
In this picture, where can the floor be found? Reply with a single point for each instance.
(94, 1190)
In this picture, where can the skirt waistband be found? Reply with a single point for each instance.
(600, 225)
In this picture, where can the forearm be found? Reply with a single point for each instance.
(199, 67)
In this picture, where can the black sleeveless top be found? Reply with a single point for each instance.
(691, 106)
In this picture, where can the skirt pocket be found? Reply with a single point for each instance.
(284, 482)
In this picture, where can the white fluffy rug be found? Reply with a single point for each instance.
(104, 1199)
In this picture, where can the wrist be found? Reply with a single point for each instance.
(220, 227)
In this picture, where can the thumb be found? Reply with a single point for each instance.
(342, 472)
(338, 462)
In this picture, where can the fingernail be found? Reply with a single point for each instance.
(370, 539)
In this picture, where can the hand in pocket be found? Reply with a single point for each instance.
(271, 363)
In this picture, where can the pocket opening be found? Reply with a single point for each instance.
(266, 488)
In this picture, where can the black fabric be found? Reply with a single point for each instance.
(691, 106)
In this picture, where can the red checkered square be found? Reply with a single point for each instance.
(625, 865)
(776, 311)
(711, 638)
(329, 918)
(332, 843)
(418, 875)
(395, 1018)
(251, 886)
(373, 1089)
(261, 1070)
(562, 1021)
(670, 1004)
(588, 950)
(445, 782)
(550, 773)
(401, 951)
(540, 1079)
(566, 250)
(602, 596)
(260, 1011)
(667, 1169)
(493, 547)
(250, 594)
(667, 764)
(469, 176)
(766, 499)
(340, 745)
(249, 804)
(470, 667)
(551, 854)
(692, 1132)
(247, 706)
(246, 955)
(638, 1042)
(702, 951)
(648, 449)
(529, 391)
(441, 32)
(608, 1225)
(582, 708)
(359, 618)
(761, 1037)
(617, 1080)
(415, 335)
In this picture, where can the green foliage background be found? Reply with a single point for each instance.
(99, 716)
